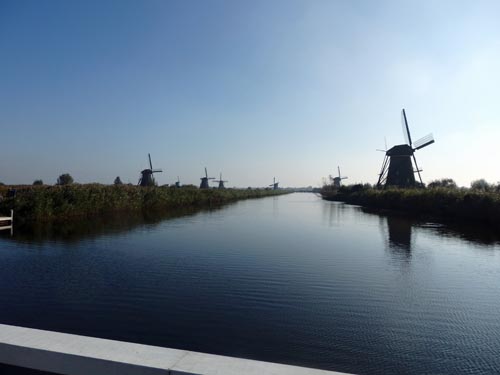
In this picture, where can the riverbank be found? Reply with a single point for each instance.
(48, 203)
(440, 203)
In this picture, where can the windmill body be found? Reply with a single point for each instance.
(398, 169)
(204, 181)
(400, 172)
(337, 181)
(275, 184)
(147, 178)
(178, 183)
(221, 182)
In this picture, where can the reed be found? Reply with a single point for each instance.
(444, 203)
(44, 203)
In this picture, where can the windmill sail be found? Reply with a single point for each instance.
(406, 129)
(423, 142)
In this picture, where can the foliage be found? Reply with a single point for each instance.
(43, 203)
(481, 185)
(443, 183)
(118, 181)
(448, 203)
(37, 182)
(65, 179)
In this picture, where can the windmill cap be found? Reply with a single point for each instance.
(400, 150)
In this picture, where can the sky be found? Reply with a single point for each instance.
(253, 89)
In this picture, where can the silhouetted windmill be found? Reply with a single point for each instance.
(221, 182)
(337, 181)
(178, 182)
(397, 168)
(204, 180)
(274, 185)
(147, 178)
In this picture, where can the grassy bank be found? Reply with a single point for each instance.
(441, 203)
(45, 203)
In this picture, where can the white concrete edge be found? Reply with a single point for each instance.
(68, 354)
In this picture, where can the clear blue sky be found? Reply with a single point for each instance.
(254, 89)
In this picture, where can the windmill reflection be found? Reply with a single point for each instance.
(400, 236)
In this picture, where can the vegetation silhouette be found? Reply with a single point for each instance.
(64, 179)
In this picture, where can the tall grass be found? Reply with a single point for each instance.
(445, 203)
(44, 203)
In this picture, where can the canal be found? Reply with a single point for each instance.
(290, 279)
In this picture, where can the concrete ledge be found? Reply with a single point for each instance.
(63, 353)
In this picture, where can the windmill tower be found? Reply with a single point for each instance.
(147, 178)
(221, 182)
(337, 181)
(178, 183)
(274, 185)
(397, 168)
(204, 180)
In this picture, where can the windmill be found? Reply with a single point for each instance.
(204, 180)
(178, 183)
(221, 182)
(147, 178)
(337, 181)
(274, 185)
(397, 168)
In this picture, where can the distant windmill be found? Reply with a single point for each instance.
(337, 181)
(221, 182)
(274, 185)
(178, 182)
(204, 180)
(397, 168)
(147, 178)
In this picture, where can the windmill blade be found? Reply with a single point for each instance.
(423, 142)
(156, 170)
(206, 173)
(150, 164)
(406, 128)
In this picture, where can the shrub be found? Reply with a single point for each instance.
(65, 179)
(480, 185)
(443, 183)
(118, 181)
(37, 182)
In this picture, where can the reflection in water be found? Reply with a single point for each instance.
(399, 229)
(398, 233)
(333, 213)
(72, 231)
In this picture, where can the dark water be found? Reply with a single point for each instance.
(290, 279)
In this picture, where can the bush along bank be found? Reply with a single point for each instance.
(46, 203)
(440, 203)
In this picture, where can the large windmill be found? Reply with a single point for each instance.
(204, 180)
(221, 182)
(397, 168)
(147, 178)
(337, 181)
(274, 185)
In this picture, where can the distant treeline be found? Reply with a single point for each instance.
(44, 203)
(480, 203)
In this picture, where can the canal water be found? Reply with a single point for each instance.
(290, 279)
